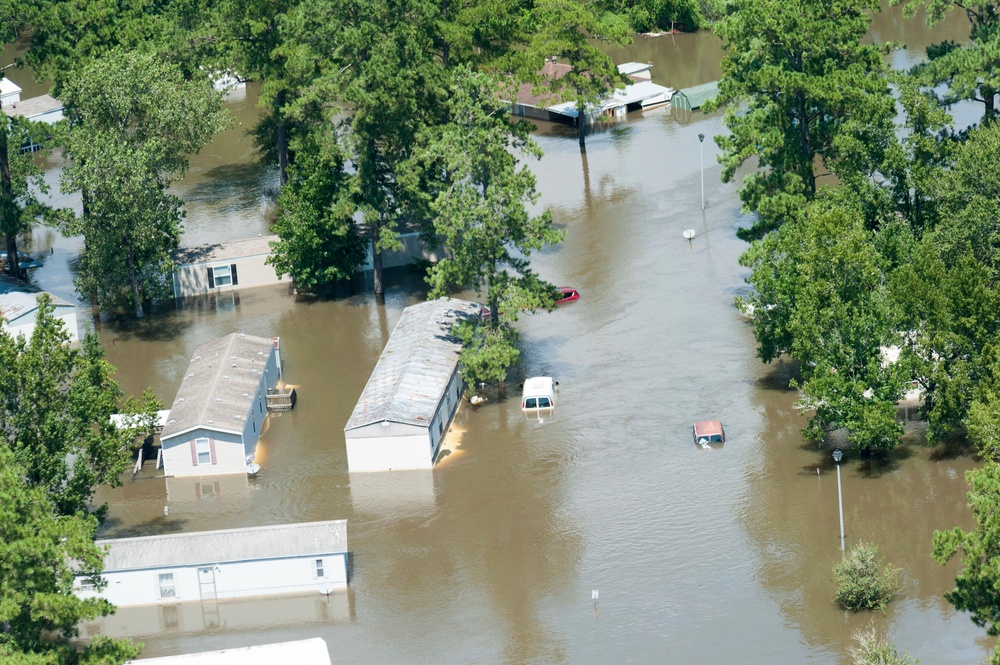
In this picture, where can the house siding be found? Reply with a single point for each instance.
(234, 579)
(192, 279)
(229, 455)
(388, 453)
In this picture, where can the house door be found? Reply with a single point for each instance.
(206, 580)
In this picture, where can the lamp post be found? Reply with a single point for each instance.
(837, 456)
(701, 148)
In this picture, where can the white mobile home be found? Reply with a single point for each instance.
(230, 563)
(220, 407)
(19, 314)
(413, 393)
(222, 267)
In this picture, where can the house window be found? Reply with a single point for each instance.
(319, 568)
(204, 450)
(254, 426)
(167, 585)
(88, 584)
(222, 276)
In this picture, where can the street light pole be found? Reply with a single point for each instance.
(837, 456)
(701, 147)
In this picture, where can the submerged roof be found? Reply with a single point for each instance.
(416, 365)
(15, 304)
(36, 106)
(210, 547)
(633, 68)
(218, 390)
(301, 652)
(238, 249)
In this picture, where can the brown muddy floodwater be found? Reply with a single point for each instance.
(699, 556)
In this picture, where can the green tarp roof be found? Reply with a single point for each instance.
(694, 97)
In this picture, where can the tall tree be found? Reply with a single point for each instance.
(41, 553)
(479, 206)
(21, 182)
(565, 29)
(318, 242)
(977, 587)
(820, 296)
(55, 409)
(972, 70)
(134, 121)
(803, 92)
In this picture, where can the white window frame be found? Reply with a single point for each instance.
(203, 446)
(222, 275)
(167, 586)
(320, 569)
(88, 584)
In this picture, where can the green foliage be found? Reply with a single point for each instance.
(863, 582)
(134, 121)
(487, 352)
(819, 296)
(802, 90)
(478, 197)
(55, 413)
(319, 243)
(977, 587)
(58, 443)
(21, 182)
(873, 650)
(41, 552)
(654, 15)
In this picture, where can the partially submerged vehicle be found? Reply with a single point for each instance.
(709, 433)
(566, 294)
(538, 397)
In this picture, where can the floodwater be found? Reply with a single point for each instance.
(696, 556)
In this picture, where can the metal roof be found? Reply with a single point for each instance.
(695, 97)
(225, 251)
(415, 366)
(210, 547)
(633, 68)
(632, 93)
(218, 390)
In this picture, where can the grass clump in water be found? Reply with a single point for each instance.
(863, 582)
(872, 650)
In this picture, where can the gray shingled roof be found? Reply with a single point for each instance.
(34, 106)
(416, 365)
(209, 547)
(217, 391)
(226, 251)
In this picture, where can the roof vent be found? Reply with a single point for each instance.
(191, 376)
(196, 358)
(238, 417)
(171, 421)
(232, 357)
(180, 399)
(243, 334)
(226, 376)
(218, 399)
(254, 370)
(210, 421)
(247, 395)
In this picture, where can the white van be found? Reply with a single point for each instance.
(539, 393)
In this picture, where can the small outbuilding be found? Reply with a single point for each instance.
(224, 266)
(221, 406)
(19, 314)
(229, 563)
(413, 393)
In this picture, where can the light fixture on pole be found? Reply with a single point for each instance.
(837, 456)
(701, 147)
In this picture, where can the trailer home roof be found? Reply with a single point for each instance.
(416, 365)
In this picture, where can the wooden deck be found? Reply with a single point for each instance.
(281, 401)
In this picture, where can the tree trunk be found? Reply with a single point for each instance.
(8, 208)
(989, 101)
(808, 172)
(447, 48)
(133, 278)
(281, 135)
(581, 126)
(377, 273)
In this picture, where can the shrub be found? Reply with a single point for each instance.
(863, 582)
(870, 650)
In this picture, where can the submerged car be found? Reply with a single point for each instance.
(566, 294)
(709, 433)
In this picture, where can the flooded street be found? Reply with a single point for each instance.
(699, 556)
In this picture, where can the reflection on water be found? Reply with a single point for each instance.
(699, 557)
